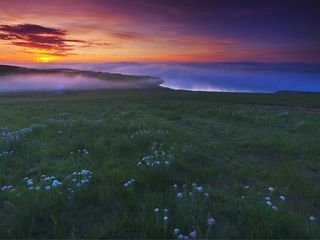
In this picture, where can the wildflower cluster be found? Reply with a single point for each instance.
(48, 183)
(78, 179)
(6, 153)
(272, 198)
(163, 214)
(8, 188)
(45, 182)
(182, 192)
(269, 200)
(180, 235)
(186, 148)
(157, 158)
(193, 234)
(141, 133)
(128, 183)
(80, 151)
(15, 136)
(191, 206)
(68, 123)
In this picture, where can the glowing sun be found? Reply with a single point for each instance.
(45, 59)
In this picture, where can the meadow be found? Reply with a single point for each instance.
(159, 163)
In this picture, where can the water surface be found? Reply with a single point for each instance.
(228, 77)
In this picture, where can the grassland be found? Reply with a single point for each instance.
(240, 150)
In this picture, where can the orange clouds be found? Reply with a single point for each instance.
(46, 40)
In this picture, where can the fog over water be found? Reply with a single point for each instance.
(230, 77)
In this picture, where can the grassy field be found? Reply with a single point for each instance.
(159, 164)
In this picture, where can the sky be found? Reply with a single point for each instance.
(159, 30)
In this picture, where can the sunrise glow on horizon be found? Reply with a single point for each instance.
(150, 30)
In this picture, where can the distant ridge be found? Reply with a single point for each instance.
(134, 81)
(295, 92)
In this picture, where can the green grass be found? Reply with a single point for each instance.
(223, 142)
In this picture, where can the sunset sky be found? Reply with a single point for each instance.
(159, 30)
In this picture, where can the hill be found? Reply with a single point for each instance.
(132, 81)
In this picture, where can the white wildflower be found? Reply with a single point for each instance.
(193, 234)
(312, 218)
(56, 183)
(283, 198)
(211, 221)
(47, 179)
(29, 182)
(271, 189)
(200, 189)
(83, 181)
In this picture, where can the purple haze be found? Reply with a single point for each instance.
(229, 77)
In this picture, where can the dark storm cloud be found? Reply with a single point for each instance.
(52, 40)
(28, 29)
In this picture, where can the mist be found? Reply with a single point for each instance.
(227, 77)
(48, 82)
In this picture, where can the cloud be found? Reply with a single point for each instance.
(31, 29)
(52, 41)
(130, 36)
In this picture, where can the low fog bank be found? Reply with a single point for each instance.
(48, 82)
(230, 77)
(59, 82)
